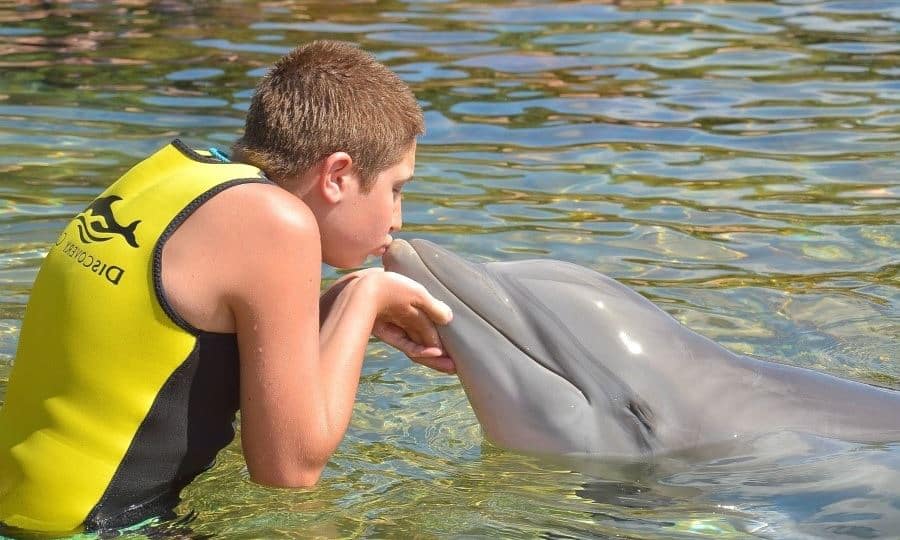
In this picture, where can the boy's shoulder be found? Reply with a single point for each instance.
(264, 205)
(264, 240)
(262, 215)
(248, 241)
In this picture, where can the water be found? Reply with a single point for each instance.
(734, 162)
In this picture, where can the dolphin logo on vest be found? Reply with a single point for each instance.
(98, 224)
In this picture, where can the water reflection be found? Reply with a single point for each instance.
(735, 162)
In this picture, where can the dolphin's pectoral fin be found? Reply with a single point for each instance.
(640, 416)
(642, 413)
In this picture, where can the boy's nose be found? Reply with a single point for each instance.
(397, 218)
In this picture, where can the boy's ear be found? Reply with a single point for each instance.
(336, 174)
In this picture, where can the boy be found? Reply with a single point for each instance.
(190, 288)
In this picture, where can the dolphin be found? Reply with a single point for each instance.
(558, 359)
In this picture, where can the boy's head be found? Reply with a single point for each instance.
(326, 97)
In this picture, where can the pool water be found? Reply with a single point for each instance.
(737, 163)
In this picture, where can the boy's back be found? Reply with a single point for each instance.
(131, 398)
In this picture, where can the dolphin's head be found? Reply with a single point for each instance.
(540, 350)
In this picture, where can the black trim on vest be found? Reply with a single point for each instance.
(170, 229)
(193, 154)
(190, 421)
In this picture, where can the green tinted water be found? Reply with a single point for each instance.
(735, 162)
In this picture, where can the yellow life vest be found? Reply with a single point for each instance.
(96, 406)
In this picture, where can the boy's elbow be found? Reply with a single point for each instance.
(309, 477)
(303, 477)
(289, 466)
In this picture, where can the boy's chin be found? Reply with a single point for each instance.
(348, 262)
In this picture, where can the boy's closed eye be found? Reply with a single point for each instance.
(398, 187)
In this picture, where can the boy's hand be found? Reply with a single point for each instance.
(432, 357)
(406, 318)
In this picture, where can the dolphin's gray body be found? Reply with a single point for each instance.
(558, 359)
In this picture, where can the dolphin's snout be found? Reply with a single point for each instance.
(404, 258)
(398, 252)
(411, 257)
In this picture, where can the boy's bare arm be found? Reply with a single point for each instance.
(299, 381)
(329, 296)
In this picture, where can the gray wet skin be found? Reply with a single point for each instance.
(558, 359)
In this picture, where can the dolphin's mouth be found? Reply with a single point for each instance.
(446, 274)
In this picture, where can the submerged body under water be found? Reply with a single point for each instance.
(778, 485)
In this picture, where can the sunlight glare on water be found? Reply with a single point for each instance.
(734, 162)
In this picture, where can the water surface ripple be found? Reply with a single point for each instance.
(735, 162)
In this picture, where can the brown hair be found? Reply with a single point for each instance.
(326, 97)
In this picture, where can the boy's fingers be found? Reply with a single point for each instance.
(424, 332)
(444, 364)
(418, 327)
(436, 310)
(432, 357)
(396, 337)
